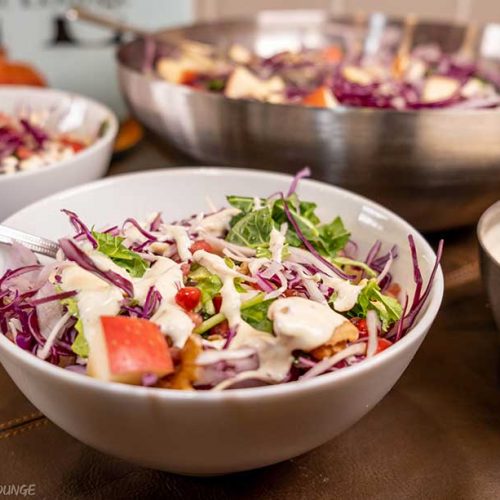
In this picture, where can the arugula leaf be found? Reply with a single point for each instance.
(388, 309)
(306, 221)
(247, 226)
(256, 316)
(209, 285)
(80, 346)
(333, 236)
(244, 203)
(307, 209)
(113, 247)
(253, 230)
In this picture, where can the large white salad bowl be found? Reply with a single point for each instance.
(205, 433)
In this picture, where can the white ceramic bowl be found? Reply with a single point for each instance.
(69, 113)
(213, 433)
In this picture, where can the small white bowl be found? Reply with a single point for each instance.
(71, 113)
(215, 432)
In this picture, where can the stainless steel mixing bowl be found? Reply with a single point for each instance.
(437, 168)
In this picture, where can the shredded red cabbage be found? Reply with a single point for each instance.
(73, 253)
(145, 233)
(80, 227)
(301, 174)
(310, 247)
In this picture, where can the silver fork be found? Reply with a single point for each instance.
(36, 244)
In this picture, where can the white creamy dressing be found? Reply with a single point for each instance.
(95, 298)
(298, 323)
(257, 205)
(231, 303)
(346, 293)
(166, 276)
(179, 234)
(274, 358)
(132, 235)
(303, 324)
(104, 263)
(217, 223)
(181, 237)
(231, 298)
(276, 244)
(256, 264)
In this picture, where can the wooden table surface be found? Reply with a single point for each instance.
(436, 435)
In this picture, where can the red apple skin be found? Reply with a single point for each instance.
(134, 347)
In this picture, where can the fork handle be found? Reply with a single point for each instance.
(36, 244)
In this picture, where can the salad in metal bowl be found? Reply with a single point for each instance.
(332, 76)
(260, 292)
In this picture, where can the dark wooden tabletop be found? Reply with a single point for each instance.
(436, 435)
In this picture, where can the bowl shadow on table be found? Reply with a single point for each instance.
(385, 455)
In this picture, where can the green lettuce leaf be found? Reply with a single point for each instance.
(253, 227)
(209, 285)
(80, 346)
(256, 316)
(253, 230)
(388, 309)
(244, 203)
(333, 237)
(113, 247)
(303, 213)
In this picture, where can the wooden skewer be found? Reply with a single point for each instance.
(467, 50)
(189, 46)
(360, 19)
(402, 58)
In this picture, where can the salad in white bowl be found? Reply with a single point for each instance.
(259, 292)
(50, 140)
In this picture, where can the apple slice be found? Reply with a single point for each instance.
(125, 349)
(355, 74)
(439, 88)
(178, 71)
(240, 54)
(244, 84)
(322, 97)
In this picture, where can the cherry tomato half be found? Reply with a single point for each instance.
(217, 300)
(360, 324)
(221, 329)
(188, 297)
(73, 144)
(201, 245)
(382, 345)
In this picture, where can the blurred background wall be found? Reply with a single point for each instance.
(480, 10)
(78, 56)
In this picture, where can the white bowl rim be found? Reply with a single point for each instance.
(108, 136)
(418, 330)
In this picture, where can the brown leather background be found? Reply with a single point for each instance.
(436, 435)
